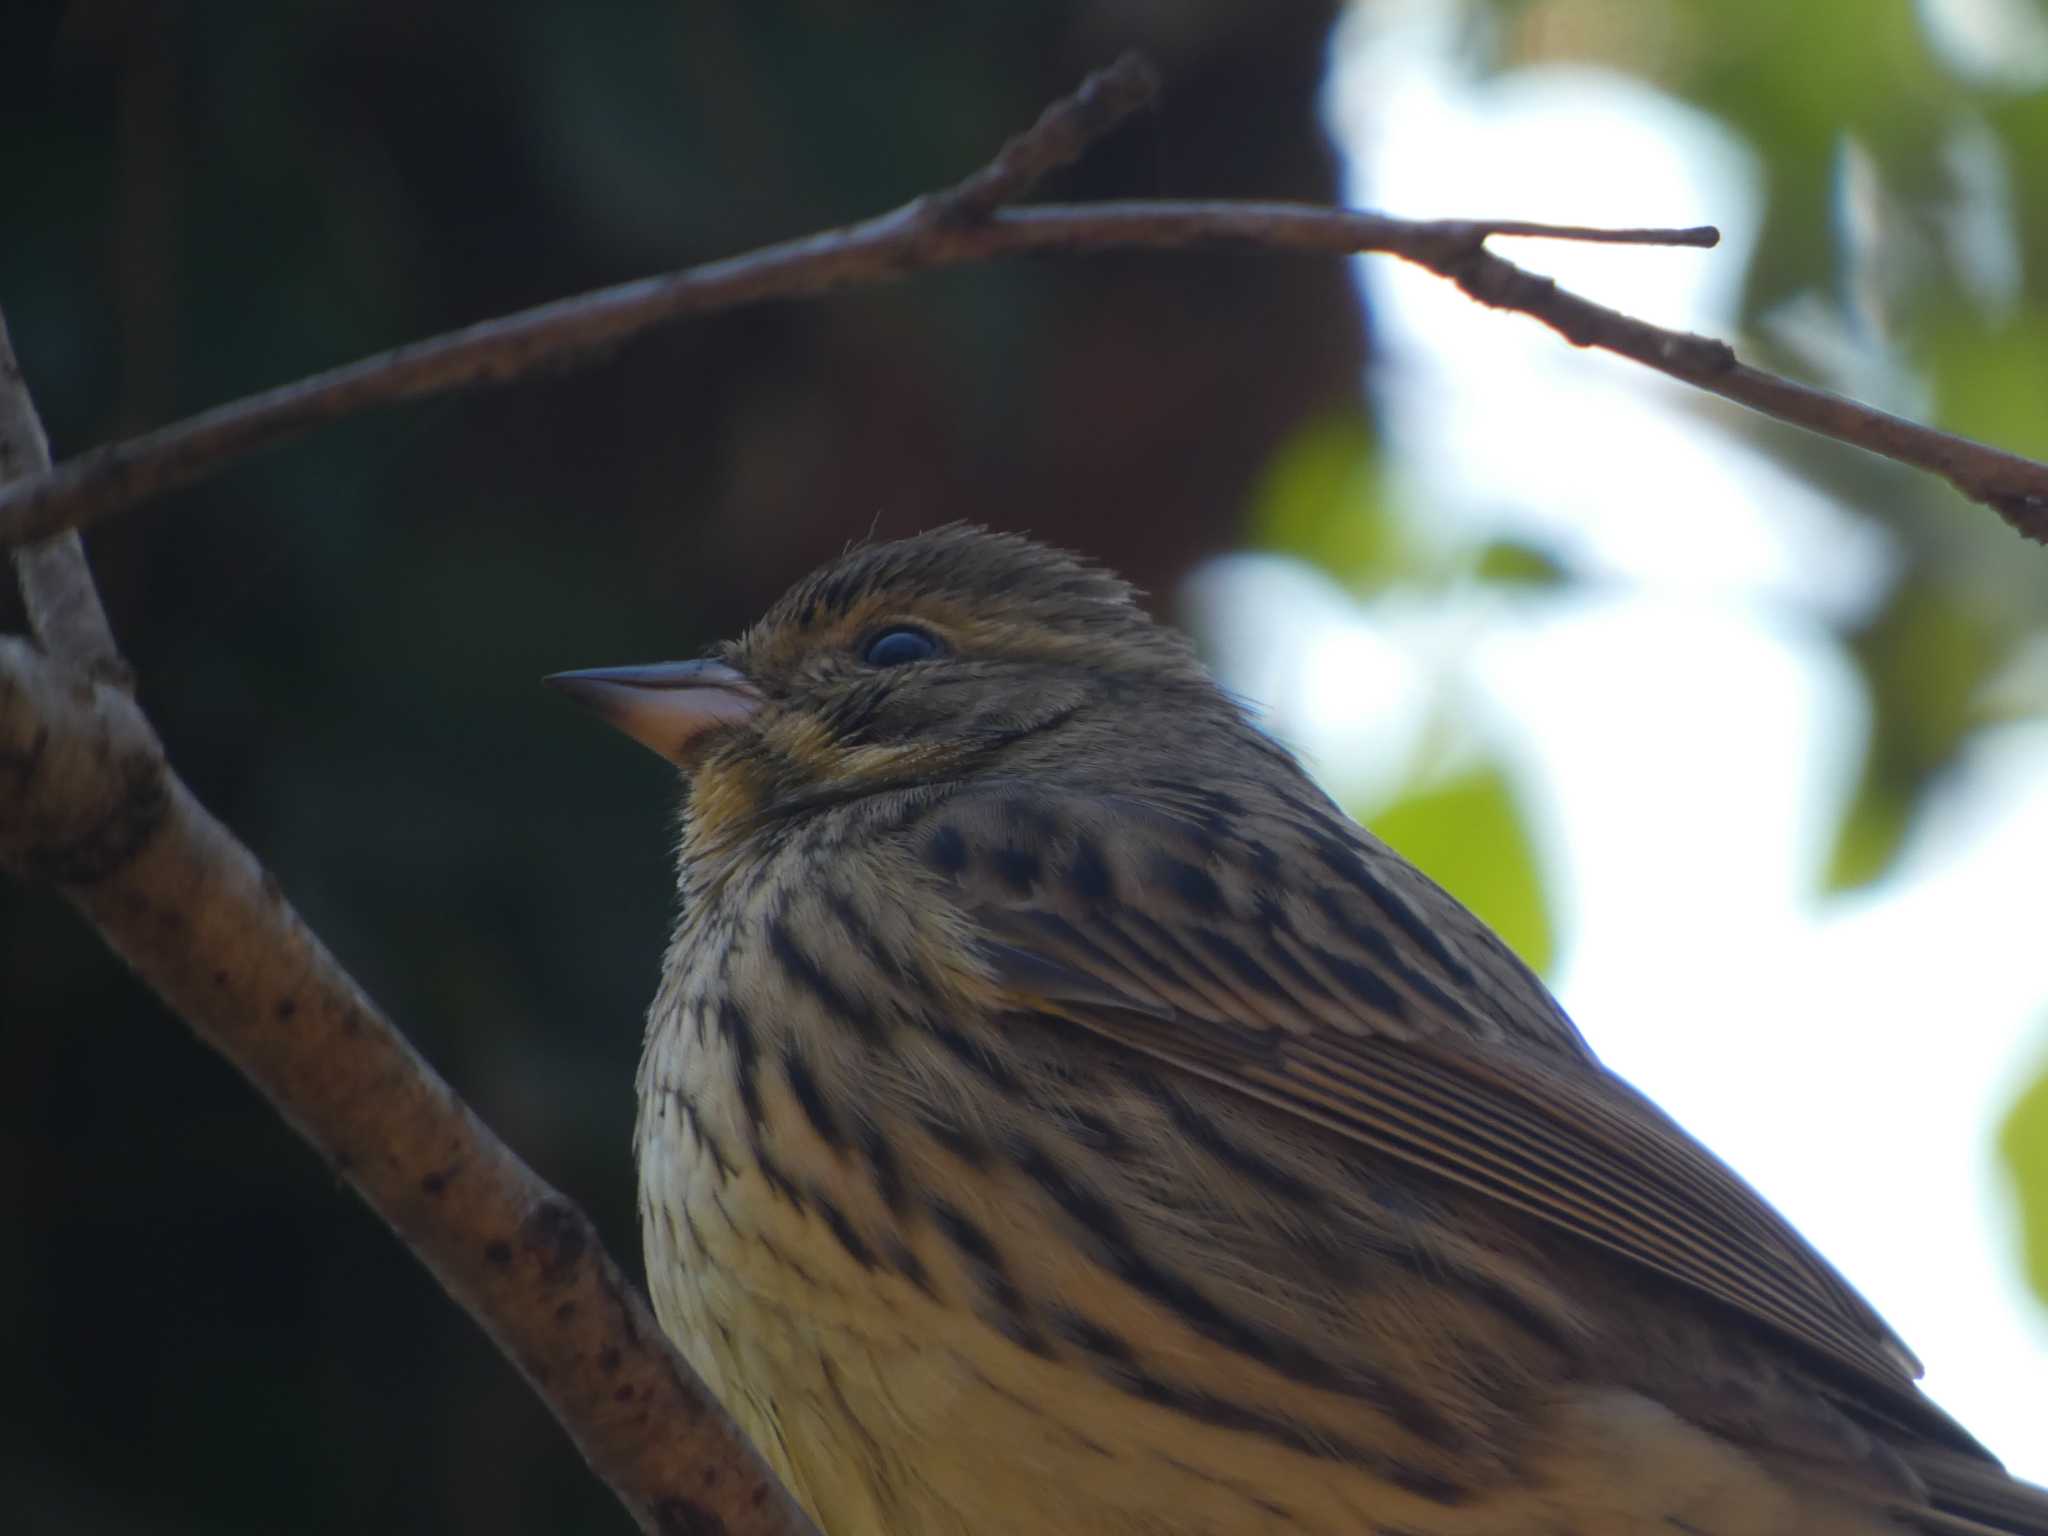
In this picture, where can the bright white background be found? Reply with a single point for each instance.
(1683, 729)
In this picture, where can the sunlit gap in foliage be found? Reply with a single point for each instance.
(1603, 657)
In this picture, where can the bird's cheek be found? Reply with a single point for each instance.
(891, 764)
(725, 795)
(798, 748)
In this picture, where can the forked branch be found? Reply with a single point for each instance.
(968, 223)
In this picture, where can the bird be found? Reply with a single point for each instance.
(1056, 1115)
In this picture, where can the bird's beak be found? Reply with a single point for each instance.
(666, 706)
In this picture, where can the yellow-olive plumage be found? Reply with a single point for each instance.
(1056, 1116)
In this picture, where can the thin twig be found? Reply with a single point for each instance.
(909, 239)
(1063, 133)
(1703, 236)
(64, 612)
(2013, 486)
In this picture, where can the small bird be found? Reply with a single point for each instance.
(1056, 1116)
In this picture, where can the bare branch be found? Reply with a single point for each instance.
(910, 239)
(1063, 134)
(90, 805)
(2013, 486)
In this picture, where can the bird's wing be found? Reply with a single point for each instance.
(1976, 1496)
(1279, 950)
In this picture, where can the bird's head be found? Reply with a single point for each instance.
(955, 654)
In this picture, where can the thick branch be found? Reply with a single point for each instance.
(92, 807)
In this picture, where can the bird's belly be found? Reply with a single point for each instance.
(891, 1413)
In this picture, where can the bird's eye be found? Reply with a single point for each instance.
(894, 647)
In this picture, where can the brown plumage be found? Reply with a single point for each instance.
(1057, 1116)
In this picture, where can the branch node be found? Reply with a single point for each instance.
(64, 611)
(2026, 511)
(558, 1234)
(1695, 356)
(85, 790)
(1063, 133)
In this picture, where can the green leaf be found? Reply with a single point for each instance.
(1988, 380)
(2023, 1147)
(1870, 836)
(1321, 500)
(1467, 834)
(1513, 563)
(1925, 659)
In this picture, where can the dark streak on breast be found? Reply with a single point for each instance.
(782, 1256)
(1091, 1336)
(802, 969)
(888, 1173)
(804, 1088)
(911, 1267)
(991, 1276)
(986, 1063)
(738, 1035)
(779, 1182)
(955, 1136)
(1308, 1440)
(856, 1247)
(702, 1134)
(1098, 1133)
(1116, 1251)
(696, 1237)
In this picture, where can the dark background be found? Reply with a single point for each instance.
(339, 641)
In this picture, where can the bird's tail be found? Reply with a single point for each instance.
(1973, 1497)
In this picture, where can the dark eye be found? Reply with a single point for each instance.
(894, 647)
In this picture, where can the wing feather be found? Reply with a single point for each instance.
(1284, 967)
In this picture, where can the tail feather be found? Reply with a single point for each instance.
(1936, 1522)
(1974, 1497)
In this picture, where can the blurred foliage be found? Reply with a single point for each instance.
(1900, 261)
(1514, 563)
(1912, 138)
(1324, 500)
(1469, 833)
(1929, 654)
(1901, 222)
(1321, 500)
(2023, 1144)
